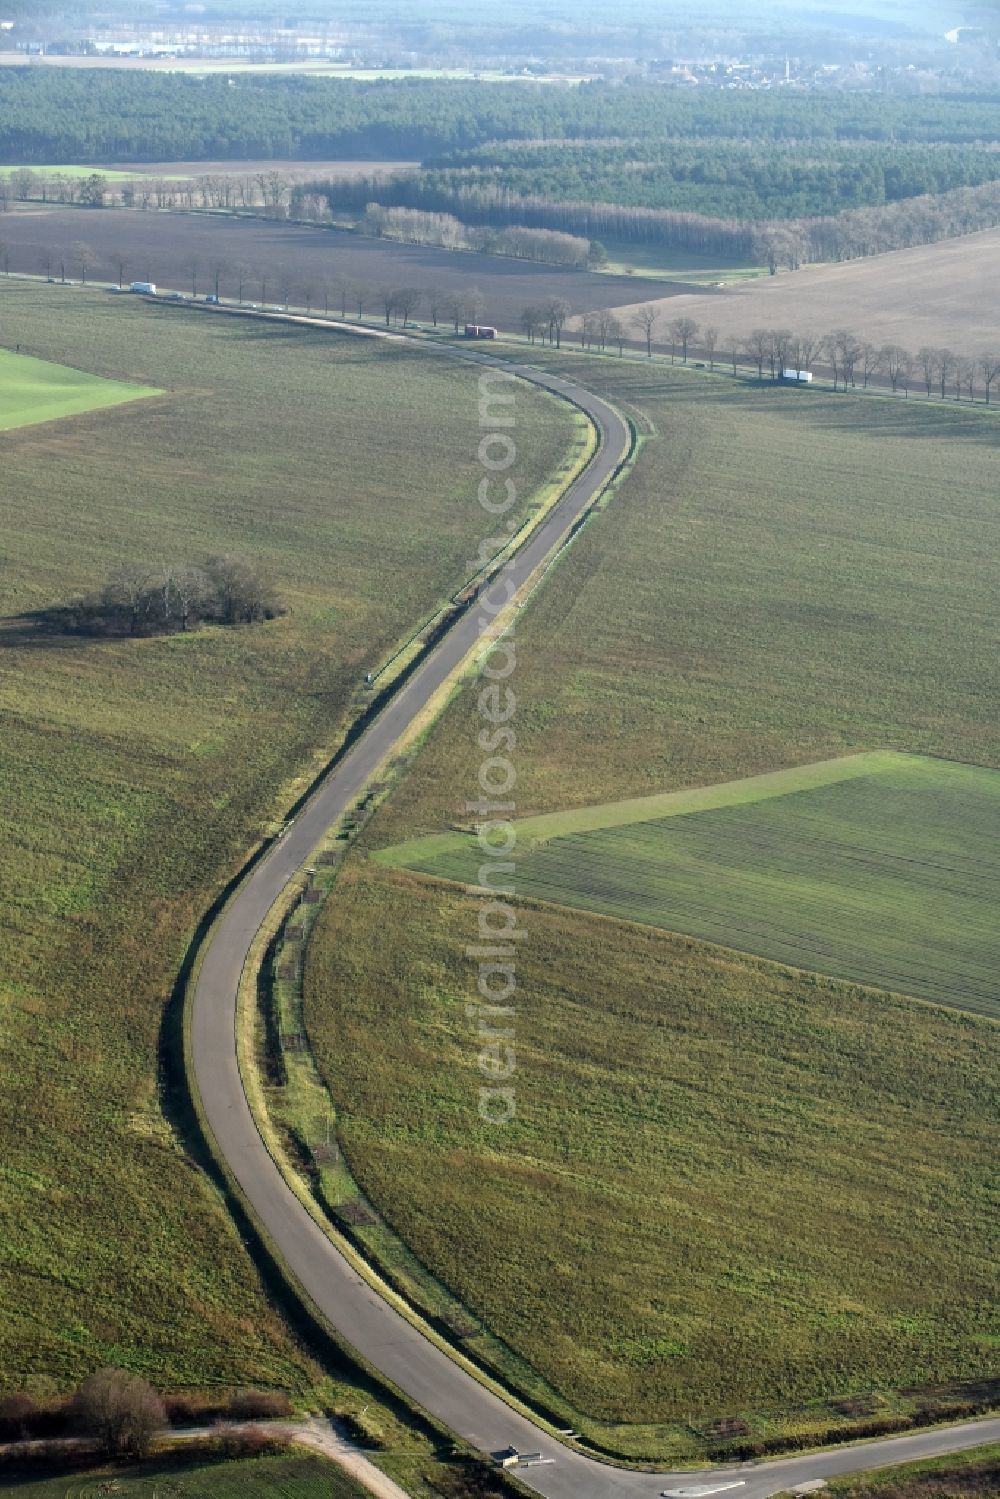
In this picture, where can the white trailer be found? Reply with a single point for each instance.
(797, 377)
(144, 288)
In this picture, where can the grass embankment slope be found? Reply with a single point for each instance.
(728, 1188)
(973, 1475)
(36, 390)
(299, 1475)
(135, 773)
(886, 875)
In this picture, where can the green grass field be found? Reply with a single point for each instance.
(625, 258)
(729, 1189)
(136, 773)
(300, 1475)
(888, 876)
(35, 390)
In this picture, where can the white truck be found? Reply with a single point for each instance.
(144, 288)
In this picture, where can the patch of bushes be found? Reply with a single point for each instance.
(234, 1442)
(259, 1405)
(140, 599)
(120, 1411)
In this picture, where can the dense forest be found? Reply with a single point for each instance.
(783, 177)
(739, 179)
(92, 116)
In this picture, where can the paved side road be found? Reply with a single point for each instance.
(367, 1323)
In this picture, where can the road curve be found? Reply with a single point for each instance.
(358, 1314)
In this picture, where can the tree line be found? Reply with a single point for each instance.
(780, 245)
(744, 179)
(550, 246)
(90, 115)
(142, 599)
(851, 361)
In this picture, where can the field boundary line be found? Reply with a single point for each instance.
(662, 804)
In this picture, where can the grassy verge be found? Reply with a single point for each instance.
(297, 1475)
(968, 1475)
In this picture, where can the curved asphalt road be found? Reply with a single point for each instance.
(362, 1319)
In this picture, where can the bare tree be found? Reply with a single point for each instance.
(757, 346)
(969, 371)
(473, 302)
(408, 299)
(896, 362)
(556, 312)
(533, 322)
(605, 318)
(387, 299)
(192, 590)
(436, 301)
(945, 361)
(83, 255)
(831, 349)
(808, 347)
(219, 268)
(778, 343)
(4, 257)
(710, 339)
(850, 352)
(242, 594)
(989, 368)
(130, 591)
(120, 1410)
(645, 319)
(871, 362)
(193, 266)
(616, 333)
(684, 330)
(242, 275)
(928, 362)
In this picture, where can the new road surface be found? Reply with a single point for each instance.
(383, 1337)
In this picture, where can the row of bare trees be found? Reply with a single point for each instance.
(853, 361)
(278, 286)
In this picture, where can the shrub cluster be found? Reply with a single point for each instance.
(141, 599)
